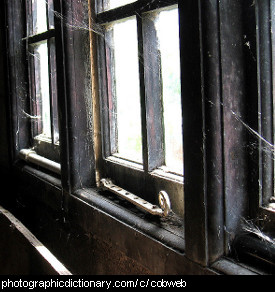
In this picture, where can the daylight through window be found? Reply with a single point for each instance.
(140, 85)
(41, 55)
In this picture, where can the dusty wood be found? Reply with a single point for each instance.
(44, 253)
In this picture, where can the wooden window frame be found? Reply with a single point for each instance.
(146, 181)
(43, 146)
(21, 84)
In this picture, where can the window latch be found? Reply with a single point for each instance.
(164, 201)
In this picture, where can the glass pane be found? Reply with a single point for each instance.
(41, 67)
(39, 16)
(168, 36)
(111, 4)
(127, 90)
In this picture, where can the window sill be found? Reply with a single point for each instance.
(163, 233)
(168, 232)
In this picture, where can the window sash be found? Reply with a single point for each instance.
(139, 179)
(45, 146)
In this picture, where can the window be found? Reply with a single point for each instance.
(140, 98)
(126, 124)
(41, 56)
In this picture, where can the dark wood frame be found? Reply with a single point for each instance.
(263, 162)
(257, 117)
(42, 146)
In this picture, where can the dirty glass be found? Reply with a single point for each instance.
(39, 16)
(42, 91)
(111, 4)
(127, 91)
(167, 25)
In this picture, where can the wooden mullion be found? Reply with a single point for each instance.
(211, 70)
(194, 134)
(153, 93)
(142, 94)
(78, 156)
(111, 103)
(104, 96)
(235, 103)
(62, 102)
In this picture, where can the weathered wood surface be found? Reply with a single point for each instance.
(22, 253)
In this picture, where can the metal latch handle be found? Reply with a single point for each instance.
(164, 201)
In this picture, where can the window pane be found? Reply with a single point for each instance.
(41, 66)
(168, 36)
(111, 4)
(39, 16)
(127, 90)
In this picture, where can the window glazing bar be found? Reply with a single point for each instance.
(40, 37)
